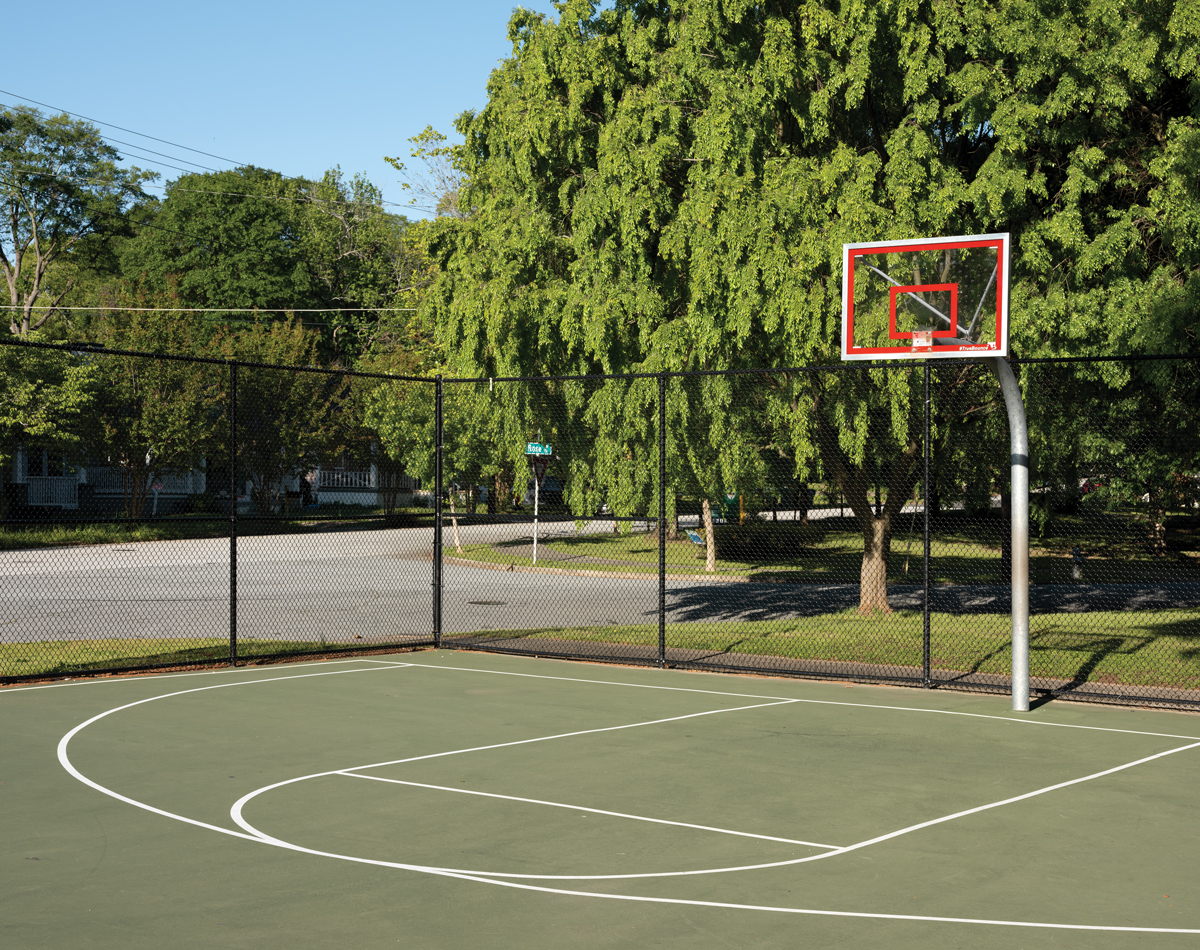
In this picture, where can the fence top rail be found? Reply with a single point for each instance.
(80, 348)
(92, 348)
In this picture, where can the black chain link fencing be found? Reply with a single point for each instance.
(166, 511)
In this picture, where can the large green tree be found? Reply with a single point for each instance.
(152, 417)
(288, 421)
(667, 185)
(64, 195)
(250, 239)
(225, 240)
(365, 258)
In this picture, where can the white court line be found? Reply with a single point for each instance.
(236, 811)
(152, 677)
(65, 741)
(266, 839)
(442, 872)
(811, 702)
(595, 811)
(236, 814)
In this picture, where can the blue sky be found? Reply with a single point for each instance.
(297, 87)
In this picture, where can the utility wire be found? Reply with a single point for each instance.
(145, 136)
(123, 129)
(203, 191)
(162, 155)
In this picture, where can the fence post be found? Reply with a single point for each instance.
(926, 677)
(437, 515)
(233, 379)
(662, 519)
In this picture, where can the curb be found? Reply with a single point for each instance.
(619, 575)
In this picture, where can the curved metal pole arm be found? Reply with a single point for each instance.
(1018, 431)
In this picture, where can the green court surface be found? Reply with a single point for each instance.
(462, 800)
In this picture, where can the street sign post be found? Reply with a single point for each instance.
(539, 464)
(539, 460)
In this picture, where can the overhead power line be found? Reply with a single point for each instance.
(199, 191)
(123, 129)
(154, 138)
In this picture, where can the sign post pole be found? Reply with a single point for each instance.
(539, 459)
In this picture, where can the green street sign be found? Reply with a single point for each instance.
(537, 448)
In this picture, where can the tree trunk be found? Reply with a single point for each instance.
(503, 492)
(454, 522)
(710, 540)
(877, 549)
(1005, 534)
(1158, 532)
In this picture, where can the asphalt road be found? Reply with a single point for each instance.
(375, 584)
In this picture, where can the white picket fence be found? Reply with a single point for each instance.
(345, 478)
(61, 491)
(111, 481)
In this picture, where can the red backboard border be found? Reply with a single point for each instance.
(952, 351)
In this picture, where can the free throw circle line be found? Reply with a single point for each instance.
(240, 820)
(351, 773)
(479, 879)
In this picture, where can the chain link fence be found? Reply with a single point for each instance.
(168, 511)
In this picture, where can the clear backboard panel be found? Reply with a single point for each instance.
(925, 297)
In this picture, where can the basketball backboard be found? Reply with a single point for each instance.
(925, 297)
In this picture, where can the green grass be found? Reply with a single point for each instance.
(830, 550)
(69, 533)
(1149, 648)
(54, 657)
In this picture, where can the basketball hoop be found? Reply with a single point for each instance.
(925, 297)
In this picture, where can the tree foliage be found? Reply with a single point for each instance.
(287, 421)
(225, 240)
(667, 185)
(63, 193)
(153, 417)
(45, 395)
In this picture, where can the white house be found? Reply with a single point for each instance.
(53, 483)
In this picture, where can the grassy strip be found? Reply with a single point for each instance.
(50, 657)
(829, 565)
(830, 551)
(1150, 648)
(78, 534)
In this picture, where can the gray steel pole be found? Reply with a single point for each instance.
(1018, 432)
(926, 652)
(233, 521)
(662, 519)
(438, 433)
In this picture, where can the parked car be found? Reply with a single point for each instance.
(551, 493)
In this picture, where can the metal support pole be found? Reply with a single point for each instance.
(437, 515)
(1018, 432)
(233, 380)
(662, 519)
(926, 662)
